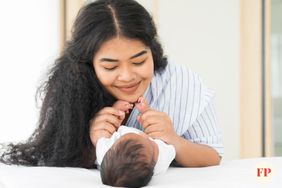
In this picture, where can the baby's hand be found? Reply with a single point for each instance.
(142, 105)
(123, 106)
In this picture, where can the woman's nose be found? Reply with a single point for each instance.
(126, 75)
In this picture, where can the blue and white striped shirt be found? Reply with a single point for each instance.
(181, 94)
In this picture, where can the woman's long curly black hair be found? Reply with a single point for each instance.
(72, 94)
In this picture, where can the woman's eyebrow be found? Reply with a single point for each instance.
(108, 60)
(116, 60)
(138, 54)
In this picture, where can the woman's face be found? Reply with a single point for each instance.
(124, 67)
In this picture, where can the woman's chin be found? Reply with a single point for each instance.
(129, 99)
(132, 100)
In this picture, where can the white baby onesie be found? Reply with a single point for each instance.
(166, 152)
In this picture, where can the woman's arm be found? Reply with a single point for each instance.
(189, 154)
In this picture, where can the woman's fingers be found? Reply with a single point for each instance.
(104, 126)
(151, 128)
(149, 120)
(112, 114)
(115, 121)
(111, 110)
(105, 123)
(149, 117)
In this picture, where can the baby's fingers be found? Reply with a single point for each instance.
(142, 105)
(122, 105)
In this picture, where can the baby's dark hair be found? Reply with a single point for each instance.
(126, 165)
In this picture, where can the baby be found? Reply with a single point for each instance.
(130, 158)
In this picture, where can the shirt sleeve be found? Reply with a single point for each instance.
(181, 93)
(204, 129)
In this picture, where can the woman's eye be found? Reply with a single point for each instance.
(110, 68)
(139, 63)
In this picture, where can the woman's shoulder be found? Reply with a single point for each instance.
(177, 72)
(182, 77)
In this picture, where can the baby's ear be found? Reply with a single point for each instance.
(142, 105)
(122, 105)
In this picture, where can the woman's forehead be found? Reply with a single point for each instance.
(120, 47)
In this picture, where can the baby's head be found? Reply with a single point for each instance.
(130, 161)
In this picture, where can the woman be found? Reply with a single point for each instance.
(114, 54)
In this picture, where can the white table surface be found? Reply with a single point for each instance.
(229, 174)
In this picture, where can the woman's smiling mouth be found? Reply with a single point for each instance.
(129, 89)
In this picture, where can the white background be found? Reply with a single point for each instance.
(29, 42)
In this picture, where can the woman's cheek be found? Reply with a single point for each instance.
(104, 76)
(108, 78)
(148, 71)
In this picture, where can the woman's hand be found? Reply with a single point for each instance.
(155, 124)
(158, 125)
(105, 123)
(108, 120)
